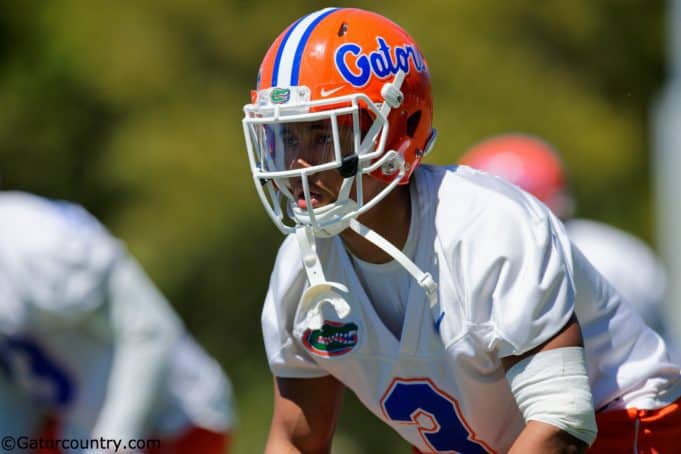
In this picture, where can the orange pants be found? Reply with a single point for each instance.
(640, 431)
(194, 441)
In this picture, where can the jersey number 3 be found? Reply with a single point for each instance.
(420, 402)
(30, 368)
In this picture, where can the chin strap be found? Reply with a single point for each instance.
(424, 279)
(320, 291)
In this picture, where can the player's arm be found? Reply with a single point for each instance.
(551, 387)
(145, 330)
(520, 277)
(305, 414)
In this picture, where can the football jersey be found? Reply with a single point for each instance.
(631, 267)
(56, 341)
(508, 280)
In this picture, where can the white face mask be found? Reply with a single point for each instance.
(290, 138)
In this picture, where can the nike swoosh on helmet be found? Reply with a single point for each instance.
(326, 93)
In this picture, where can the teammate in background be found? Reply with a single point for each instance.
(89, 347)
(624, 260)
(451, 302)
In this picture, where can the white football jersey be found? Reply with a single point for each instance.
(631, 267)
(56, 342)
(508, 280)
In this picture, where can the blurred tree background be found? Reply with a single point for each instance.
(133, 109)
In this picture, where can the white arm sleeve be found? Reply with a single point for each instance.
(144, 329)
(552, 387)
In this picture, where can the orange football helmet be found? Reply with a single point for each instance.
(528, 162)
(362, 81)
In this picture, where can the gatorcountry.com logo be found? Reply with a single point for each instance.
(333, 339)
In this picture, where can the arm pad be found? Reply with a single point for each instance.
(552, 387)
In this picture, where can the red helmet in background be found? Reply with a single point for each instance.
(528, 162)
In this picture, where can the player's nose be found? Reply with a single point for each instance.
(300, 162)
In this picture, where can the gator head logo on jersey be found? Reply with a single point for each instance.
(333, 339)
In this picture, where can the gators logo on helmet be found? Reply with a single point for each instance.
(358, 65)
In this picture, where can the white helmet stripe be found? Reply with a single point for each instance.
(286, 56)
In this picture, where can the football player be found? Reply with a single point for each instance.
(452, 303)
(624, 260)
(89, 347)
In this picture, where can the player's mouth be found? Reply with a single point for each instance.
(316, 199)
(319, 196)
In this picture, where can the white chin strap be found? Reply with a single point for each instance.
(424, 279)
(322, 291)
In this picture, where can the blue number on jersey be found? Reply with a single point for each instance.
(27, 365)
(418, 401)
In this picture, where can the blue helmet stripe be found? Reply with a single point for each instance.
(291, 48)
(280, 51)
(303, 41)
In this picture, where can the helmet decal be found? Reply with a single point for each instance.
(381, 62)
(280, 95)
(287, 62)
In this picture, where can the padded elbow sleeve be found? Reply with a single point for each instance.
(553, 387)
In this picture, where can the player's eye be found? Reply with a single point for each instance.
(289, 139)
(325, 139)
